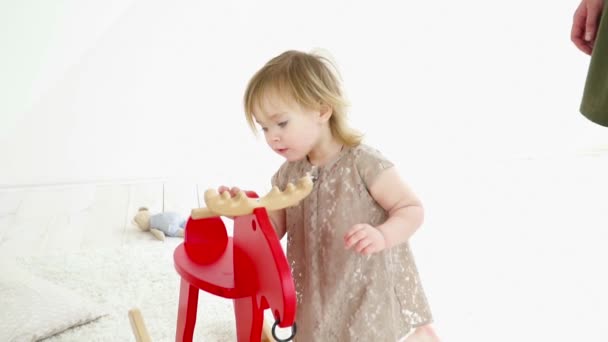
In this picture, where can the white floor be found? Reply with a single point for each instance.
(59, 233)
(518, 250)
(510, 251)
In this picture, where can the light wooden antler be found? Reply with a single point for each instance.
(223, 204)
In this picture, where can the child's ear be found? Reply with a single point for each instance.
(325, 112)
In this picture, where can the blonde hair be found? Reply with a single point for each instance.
(308, 80)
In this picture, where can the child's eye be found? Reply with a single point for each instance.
(264, 129)
(282, 124)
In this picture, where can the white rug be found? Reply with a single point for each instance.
(122, 278)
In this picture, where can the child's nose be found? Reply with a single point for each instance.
(275, 135)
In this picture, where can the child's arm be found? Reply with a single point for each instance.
(404, 210)
(403, 206)
(277, 217)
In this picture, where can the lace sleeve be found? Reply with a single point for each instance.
(370, 164)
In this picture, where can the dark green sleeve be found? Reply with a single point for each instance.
(594, 105)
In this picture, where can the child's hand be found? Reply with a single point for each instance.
(233, 191)
(365, 238)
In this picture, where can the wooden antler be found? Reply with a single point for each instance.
(223, 204)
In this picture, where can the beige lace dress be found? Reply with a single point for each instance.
(341, 295)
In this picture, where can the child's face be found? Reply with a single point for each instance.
(290, 130)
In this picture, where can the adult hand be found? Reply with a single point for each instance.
(585, 24)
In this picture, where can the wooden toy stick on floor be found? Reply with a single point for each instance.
(138, 326)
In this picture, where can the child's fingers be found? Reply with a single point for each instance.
(354, 237)
(356, 228)
(233, 191)
(348, 243)
(363, 244)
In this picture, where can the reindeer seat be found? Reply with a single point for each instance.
(250, 267)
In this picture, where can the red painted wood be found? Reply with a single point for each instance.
(250, 268)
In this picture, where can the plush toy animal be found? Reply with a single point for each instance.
(160, 225)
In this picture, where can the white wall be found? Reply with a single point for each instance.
(452, 91)
(106, 90)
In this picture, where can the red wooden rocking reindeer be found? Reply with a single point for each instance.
(250, 267)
